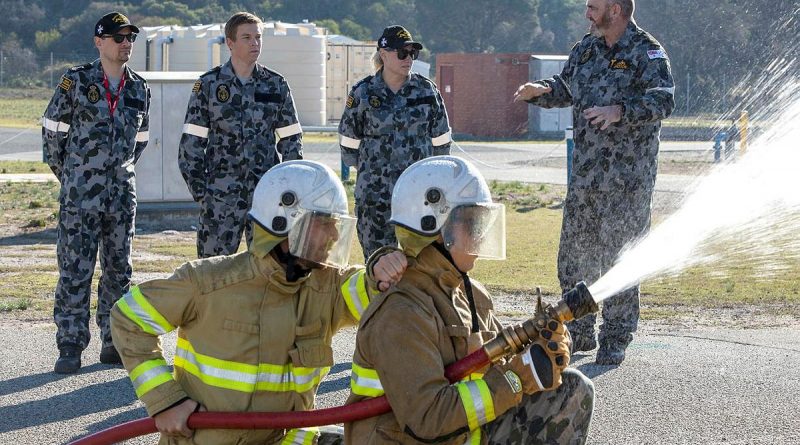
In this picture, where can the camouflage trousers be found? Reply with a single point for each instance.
(597, 225)
(553, 417)
(81, 233)
(221, 225)
(374, 229)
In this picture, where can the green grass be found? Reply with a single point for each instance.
(22, 112)
(533, 225)
(24, 167)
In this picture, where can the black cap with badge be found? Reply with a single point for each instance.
(396, 37)
(111, 23)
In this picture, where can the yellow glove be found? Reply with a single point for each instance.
(539, 366)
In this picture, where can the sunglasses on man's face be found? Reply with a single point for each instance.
(118, 38)
(402, 53)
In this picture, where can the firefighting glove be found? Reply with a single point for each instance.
(539, 365)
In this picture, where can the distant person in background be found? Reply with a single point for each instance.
(93, 131)
(240, 122)
(392, 119)
(619, 84)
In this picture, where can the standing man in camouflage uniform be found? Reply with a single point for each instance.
(618, 82)
(94, 130)
(236, 114)
(392, 119)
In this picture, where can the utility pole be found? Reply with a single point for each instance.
(51, 70)
(688, 93)
(1, 67)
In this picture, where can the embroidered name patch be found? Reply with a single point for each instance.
(656, 54)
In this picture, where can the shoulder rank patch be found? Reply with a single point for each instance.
(66, 83)
(619, 64)
(375, 101)
(656, 54)
(93, 93)
(223, 93)
(196, 87)
(587, 54)
(350, 100)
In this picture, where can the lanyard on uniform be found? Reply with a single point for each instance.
(112, 103)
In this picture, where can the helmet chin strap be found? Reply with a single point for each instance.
(294, 271)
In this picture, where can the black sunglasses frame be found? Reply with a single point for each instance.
(118, 38)
(402, 53)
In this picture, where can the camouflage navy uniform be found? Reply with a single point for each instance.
(382, 133)
(614, 170)
(228, 143)
(93, 157)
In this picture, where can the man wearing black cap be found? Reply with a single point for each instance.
(93, 131)
(392, 119)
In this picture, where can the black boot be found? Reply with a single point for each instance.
(110, 356)
(69, 360)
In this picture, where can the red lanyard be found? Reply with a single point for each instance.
(112, 103)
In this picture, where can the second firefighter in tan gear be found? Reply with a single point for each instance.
(445, 219)
(255, 328)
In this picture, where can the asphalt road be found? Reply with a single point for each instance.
(677, 386)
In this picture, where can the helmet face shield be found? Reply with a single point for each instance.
(477, 229)
(322, 238)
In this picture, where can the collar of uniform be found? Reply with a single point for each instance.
(432, 262)
(271, 269)
(380, 84)
(226, 71)
(627, 37)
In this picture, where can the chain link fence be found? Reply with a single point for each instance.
(21, 67)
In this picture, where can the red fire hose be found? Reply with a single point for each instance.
(293, 419)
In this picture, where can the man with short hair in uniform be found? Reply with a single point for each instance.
(391, 120)
(619, 84)
(94, 130)
(240, 122)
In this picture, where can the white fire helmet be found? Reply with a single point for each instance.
(306, 202)
(447, 195)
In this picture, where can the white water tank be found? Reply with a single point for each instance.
(348, 61)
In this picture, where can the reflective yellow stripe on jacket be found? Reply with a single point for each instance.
(365, 382)
(300, 436)
(246, 377)
(140, 311)
(355, 294)
(478, 405)
(150, 374)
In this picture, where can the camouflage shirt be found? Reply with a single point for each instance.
(382, 133)
(231, 129)
(634, 73)
(91, 154)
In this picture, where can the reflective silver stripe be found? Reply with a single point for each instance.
(477, 403)
(354, 295)
(151, 374)
(143, 136)
(195, 130)
(670, 90)
(347, 142)
(291, 130)
(289, 376)
(239, 377)
(366, 382)
(55, 126)
(441, 140)
(142, 314)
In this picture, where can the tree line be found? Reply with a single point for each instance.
(715, 46)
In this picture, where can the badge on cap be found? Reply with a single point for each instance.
(403, 34)
(66, 83)
(93, 93)
(375, 101)
(99, 29)
(119, 18)
(196, 87)
(586, 55)
(223, 93)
